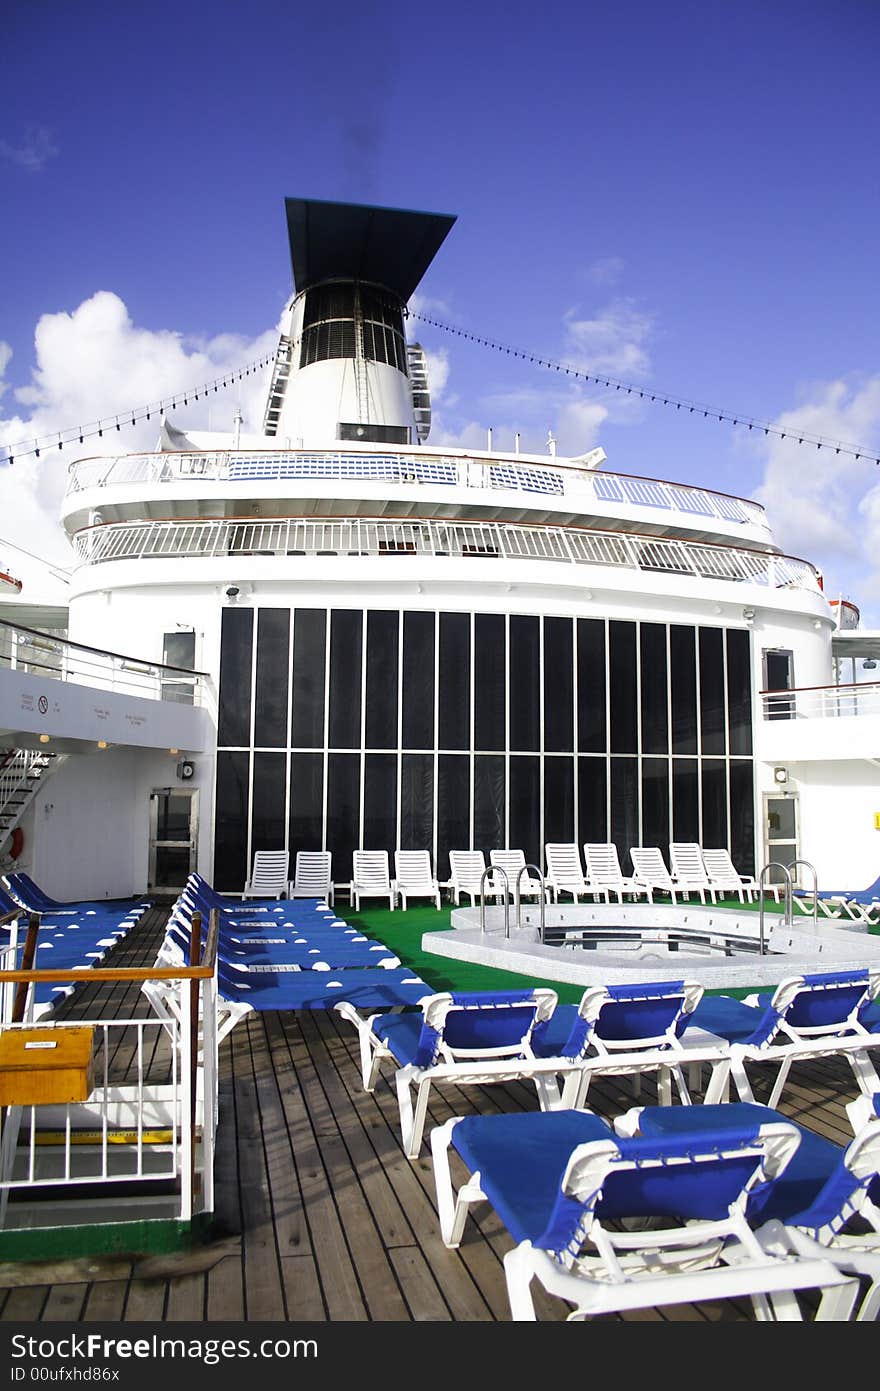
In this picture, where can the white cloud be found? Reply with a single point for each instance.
(92, 363)
(607, 270)
(613, 343)
(33, 151)
(823, 505)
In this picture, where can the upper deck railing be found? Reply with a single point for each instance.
(42, 654)
(554, 479)
(822, 702)
(366, 536)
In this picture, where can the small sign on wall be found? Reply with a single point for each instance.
(877, 820)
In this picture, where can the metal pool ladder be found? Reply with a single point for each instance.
(502, 874)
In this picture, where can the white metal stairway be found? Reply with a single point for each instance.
(22, 773)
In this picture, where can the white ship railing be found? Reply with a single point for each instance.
(238, 466)
(41, 654)
(433, 538)
(149, 1107)
(822, 702)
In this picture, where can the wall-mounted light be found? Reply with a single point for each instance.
(749, 615)
(174, 752)
(780, 775)
(869, 664)
(44, 738)
(102, 743)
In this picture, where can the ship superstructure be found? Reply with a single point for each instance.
(405, 645)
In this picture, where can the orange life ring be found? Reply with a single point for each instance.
(17, 843)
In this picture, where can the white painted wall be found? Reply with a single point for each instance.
(838, 802)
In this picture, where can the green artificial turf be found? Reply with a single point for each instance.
(403, 932)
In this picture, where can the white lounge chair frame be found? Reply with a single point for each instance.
(269, 876)
(686, 866)
(312, 876)
(414, 876)
(603, 867)
(565, 874)
(465, 874)
(512, 862)
(724, 877)
(650, 872)
(370, 878)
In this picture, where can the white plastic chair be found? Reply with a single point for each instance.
(312, 876)
(564, 873)
(465, 873)
(603, 867)
(371, 878)
(414, 876)
(686, 864)
(512, 861)
(269, 874)
(650, 872)
(725, 877)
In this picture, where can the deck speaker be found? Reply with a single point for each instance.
(186, 770)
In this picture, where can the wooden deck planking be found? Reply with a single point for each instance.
(319, 1214)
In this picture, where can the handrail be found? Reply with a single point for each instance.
(99, 651)
(112, 975)
(493, 870)
(786, 919)
(810, 866)
(524, 869)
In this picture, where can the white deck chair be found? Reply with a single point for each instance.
(414, 876)
(726, 878)
(686, 864)
(649, 871)
(564, 873)
(603, 867)
(269, 874)
(370, 878)
(512, 861)
(312, 876)
(465, 873)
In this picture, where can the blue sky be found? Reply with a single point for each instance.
(683, 195)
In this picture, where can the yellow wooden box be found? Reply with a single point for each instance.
(41, 1066)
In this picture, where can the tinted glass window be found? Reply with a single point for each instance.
(454, 702)
(591, 693)
(742, 816)
(307, 804)
(655, 802)
(489, 802)
(453, 808)
(525, 808)
(490, 667)
(343, 811)
(382, 673)
(345, 678)
(712, 690)
(558, 685)
(655, 714)
(309, 650)
(739, 691)
(270, 705)
(714, 779)
(380, 802)
(622, 687)
(683, 679)
(234, 714)
(270, 795)
(592, 800)
(558, 800)
(230, 823)
(625, 805)
(525, 710)
(418, 681)
(417, 801)
(685, 800)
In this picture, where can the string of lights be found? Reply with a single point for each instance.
(97, 428)
(663, 398)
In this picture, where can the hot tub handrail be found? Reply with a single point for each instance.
(786, 918)
(502, 873)
(524, 869)
(812, 868)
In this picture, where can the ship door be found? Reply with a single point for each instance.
(780, 833)
(173, 836)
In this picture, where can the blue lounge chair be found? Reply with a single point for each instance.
(559, 1180)
(468, 1038)
(805, 1017)
(31, 896)
(630, 1029)
(810, 1206)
